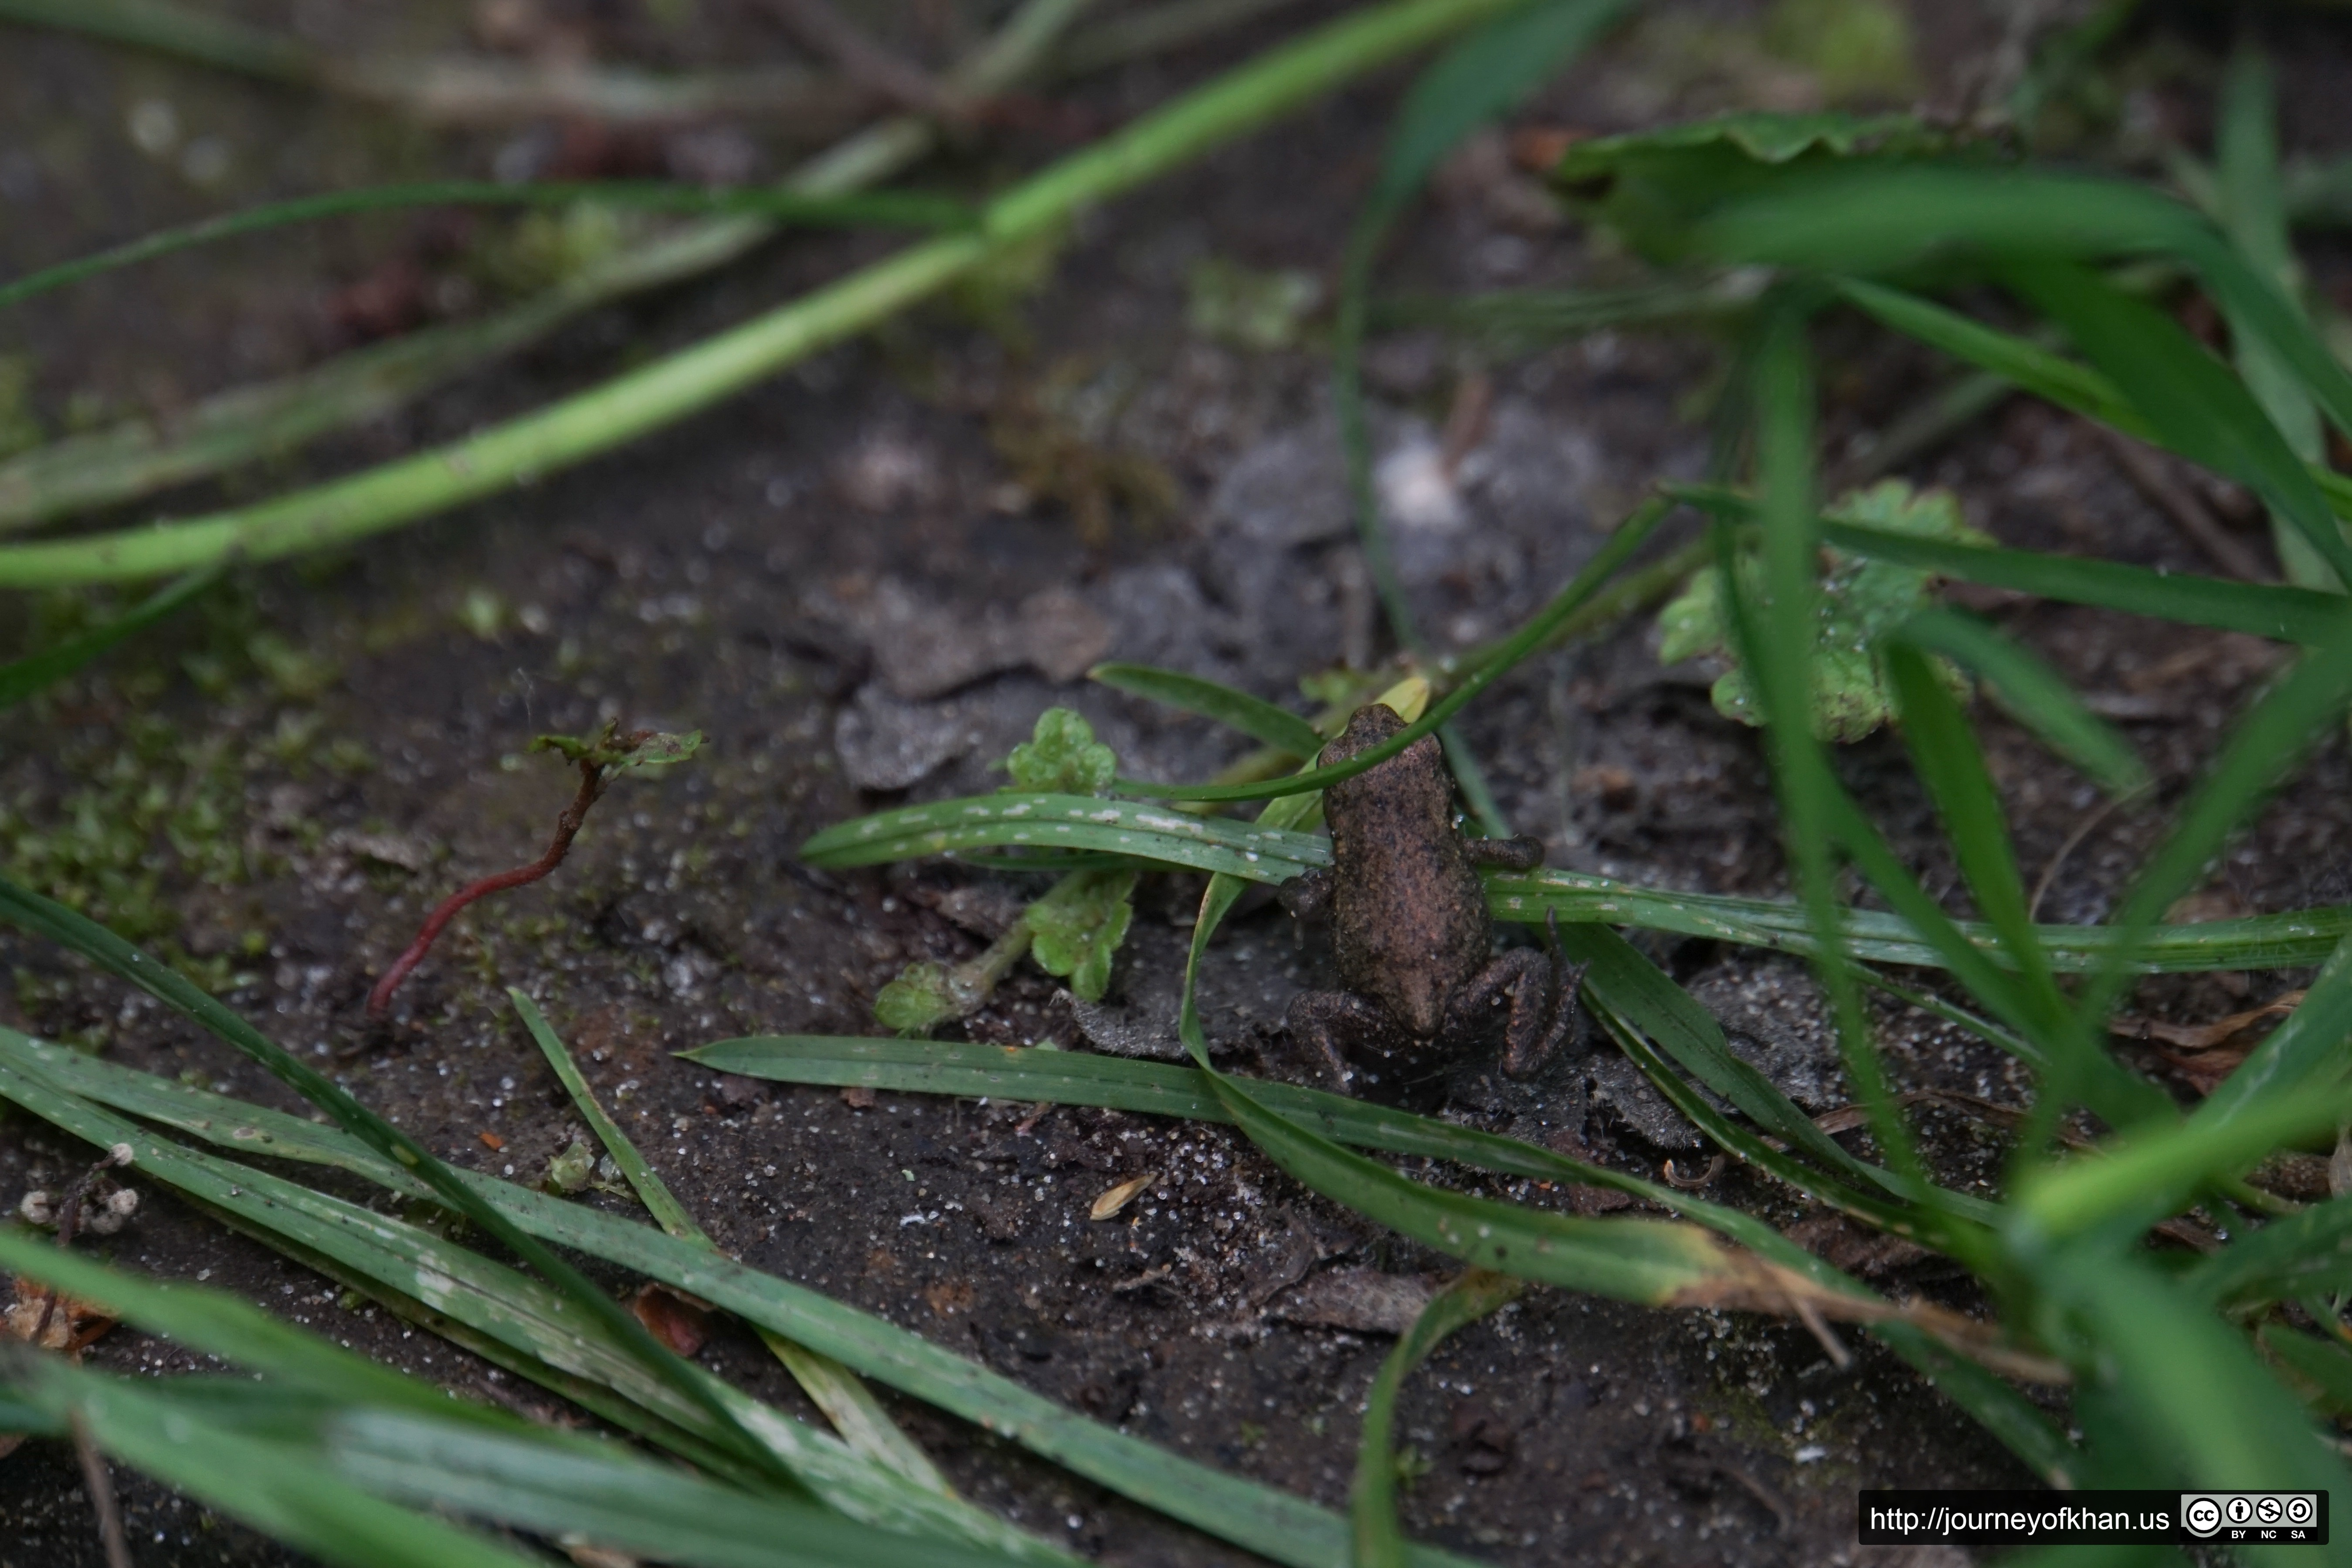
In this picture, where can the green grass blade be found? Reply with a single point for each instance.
(1070, 821)
(614, 1500)
(1274, 83)
(2253, 215)
(643, 1179)
(2312, 1039)
(1256, 1517)
(2296, 711)
(2323, 1362)
(1371, 1501)
(862, 1422)
(2194, 1383)
(1776, 642)
(36, 672)
(1479, 76)
(2035, 695)
(1947, 761)
(2132, 1181)
(173, 30)
(45, 918)
(2288, 614)
(2191, 402)
(2285, 1259)
(884, 209)
(2021, 362)
(1254, 716)
(280, 1492)
(499, 1305)
(1611, 557)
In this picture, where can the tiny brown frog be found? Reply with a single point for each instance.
(1409, 926)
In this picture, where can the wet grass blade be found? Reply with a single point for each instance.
(2327, 1366)
(283, 1493)
(862, 1422)
(1070, 821)
(44, 917)
(499, 1305)
(1259, 720)
(1371, 1501)
(176, 30)
(2287, 615)
(36, 672)
(783, 206)
(1517, 320)
(2035, 695)
(1257, 1517)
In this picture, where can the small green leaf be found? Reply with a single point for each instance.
(572, 1170)
(1245, 307)
(1862, 601)
(1075, 929)
(1063, 757)
(638, 751)
(919, 1000)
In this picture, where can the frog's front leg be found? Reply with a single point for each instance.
(1331, 1022)
(1542, 1000)
(1521, 854)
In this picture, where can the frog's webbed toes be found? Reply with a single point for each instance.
(1328, 1021)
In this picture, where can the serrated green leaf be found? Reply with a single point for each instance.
(1075, 930)
(1861, 600)
(1062, 758)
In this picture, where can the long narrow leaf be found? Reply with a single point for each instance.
(36, 672)
(2035, 695)
(1259, 720)
(1372, 1503)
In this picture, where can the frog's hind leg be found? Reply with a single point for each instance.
(1542, 1000)
(1329, 1021)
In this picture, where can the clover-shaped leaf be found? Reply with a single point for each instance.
(1063, 757)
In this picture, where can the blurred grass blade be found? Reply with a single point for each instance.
(2253, 215)
(2021, 362)
(2285, 1259)
(783, 206)
(2035, 695)
(1949, 763)
(1623, 542)
(178, 30)
(2287, 615)
(2191, 400)
(1259, 720)
(284, 1494)
(36, 672)
(2314, 1038)
(1371, 1502)
(1479, 76)
(852, 1408)
(1257, 1517)
(1776, 639)
(44, 917)
(2297, 710)
(661, 392)
(2326, 1365)
(2194, 1383)
(128, 460)
(2131, 1182)
(1521, 320)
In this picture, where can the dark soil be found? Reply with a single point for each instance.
(755, 574)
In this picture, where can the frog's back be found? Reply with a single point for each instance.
(1409, 913)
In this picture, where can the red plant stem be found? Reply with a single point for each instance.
(593, 780)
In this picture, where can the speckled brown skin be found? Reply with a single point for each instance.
(1409, 924)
